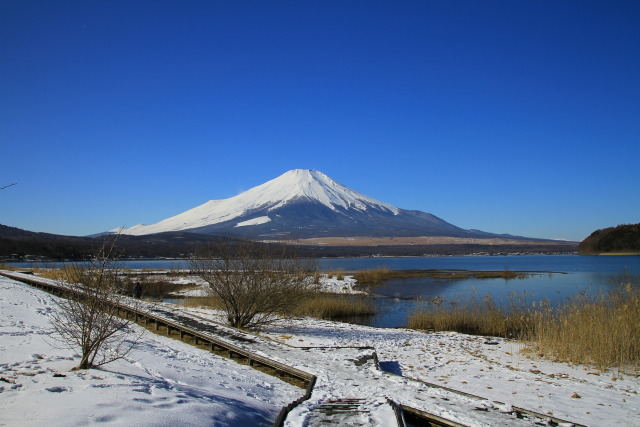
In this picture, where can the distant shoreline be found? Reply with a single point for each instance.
(613, 254)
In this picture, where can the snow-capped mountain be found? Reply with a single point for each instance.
(303, 203)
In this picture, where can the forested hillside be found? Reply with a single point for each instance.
(623, 239)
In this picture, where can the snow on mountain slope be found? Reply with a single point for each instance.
(294, 185)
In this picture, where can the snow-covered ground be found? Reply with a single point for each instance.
(494, 368)
(332, 284)
(166, 381)
(163, 382)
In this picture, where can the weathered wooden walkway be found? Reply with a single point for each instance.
(337, 380)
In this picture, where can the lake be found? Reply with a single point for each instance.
(562, 276)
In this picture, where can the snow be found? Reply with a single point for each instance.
(333, 285)
(292, 185)
(494, 368)
(163, 382)
(168, 381)
(255, 221)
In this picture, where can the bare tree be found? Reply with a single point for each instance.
(89, 320)
(256, 283)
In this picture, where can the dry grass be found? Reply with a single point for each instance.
(601, 330)
(61, 273)
(380, 274)
(339, 274)
(206, 302)
(315, 304)
(330, 306)
(6, 267)
(415, 241)
(373, 276)
(160, 288)
(152, 287)
(475, 315)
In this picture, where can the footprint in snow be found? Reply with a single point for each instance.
(56, 389)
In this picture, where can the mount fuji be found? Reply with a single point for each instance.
(303, 204)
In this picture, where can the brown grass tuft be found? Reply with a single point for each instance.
(6, 267)
(206, 302)
(331, 306)
(62, 273)
(373, 276)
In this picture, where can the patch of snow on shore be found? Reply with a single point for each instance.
(332, 285)
(339, 286)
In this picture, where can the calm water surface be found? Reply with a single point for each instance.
(561, 276)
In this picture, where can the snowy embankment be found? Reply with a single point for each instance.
(162, 382)
(197, 387)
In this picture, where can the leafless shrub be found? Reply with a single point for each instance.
(255, 282)
(88, 320)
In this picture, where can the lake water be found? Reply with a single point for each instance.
(561, 276)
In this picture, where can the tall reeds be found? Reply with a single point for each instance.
(601, 330)
(209, 301)
(474, 315)
(8, 267)
(372, 276)
(332, 306)
(315, 304)
(338, 274)
(61, 273)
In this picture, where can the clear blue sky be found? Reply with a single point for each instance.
(518, 117)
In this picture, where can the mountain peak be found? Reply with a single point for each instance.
(315, 186)
(304, 203)
(297, 185)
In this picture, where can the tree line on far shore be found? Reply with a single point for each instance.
(621, 239)
(17, 244)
